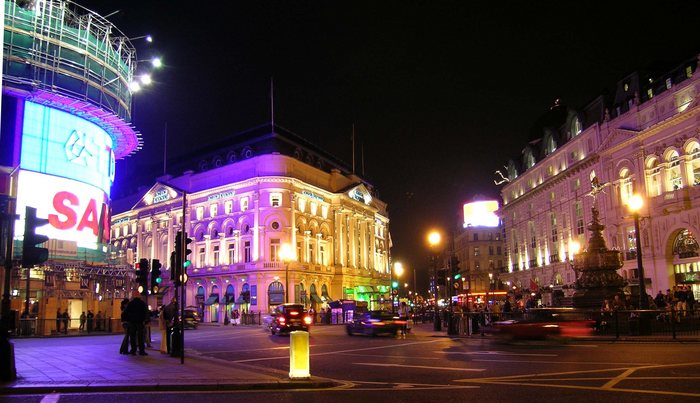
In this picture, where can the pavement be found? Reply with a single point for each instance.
(82, 364)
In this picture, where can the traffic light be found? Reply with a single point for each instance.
(155, 276)
(454, 267)
(31, 254)
(142, 276)
(181, 261)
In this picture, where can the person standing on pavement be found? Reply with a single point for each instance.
(124, 349)
(137, 314)
(83, 318)
(403, 315)
(90, 320)
(170, 313)
(66, 321)
(163, 327)
(59, 318)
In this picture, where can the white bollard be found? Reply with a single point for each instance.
(299, 355)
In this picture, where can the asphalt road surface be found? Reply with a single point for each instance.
(426, 366)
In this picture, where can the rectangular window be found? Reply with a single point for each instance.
(498, 250)
(476, 237)
(476, 251)
(201, 257)
(215, 256)
(311, 253)
(490, 250)
(246, 252)
(533, 235)
(231, 253)
(213, 209)
(244, 204)
(579, 219)
(555, 230)
(322, 251)
(274, 249)
(275, 199)
(200, 213)
(477, 265)
(228, 207)
(300, 255)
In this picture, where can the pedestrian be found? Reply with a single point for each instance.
(235, 317)
(66, 321)
(124, 348)
(98, 321)
(162, 325)
(170, 313)
(59, 318)
(137, 314)
(83, 318)
(403, 316)
(90, 320)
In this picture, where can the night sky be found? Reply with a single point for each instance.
(441, 93)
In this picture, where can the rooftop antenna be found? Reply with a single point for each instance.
(353, 148)
(272, 102)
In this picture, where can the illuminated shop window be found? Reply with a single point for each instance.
(275, 199)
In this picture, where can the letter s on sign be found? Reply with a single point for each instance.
(61, 203)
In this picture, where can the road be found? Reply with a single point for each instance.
(425, 366)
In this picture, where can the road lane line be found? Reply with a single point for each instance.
(595, 388)
(377, 364)
(560, 362)
(392, 356)
(496, 353)
(52, 398)
(618, 379)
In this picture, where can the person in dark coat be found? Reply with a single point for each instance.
(137, 314)
(124, 349)
(90, 320)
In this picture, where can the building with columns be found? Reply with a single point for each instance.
(644, 138)
(247, 198)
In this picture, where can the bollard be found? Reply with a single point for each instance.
(299, 355)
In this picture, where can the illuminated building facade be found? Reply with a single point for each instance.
(643, 139)
(480, 248)
(247, 198)
(66, 108)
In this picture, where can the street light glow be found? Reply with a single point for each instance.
(635, 203)
(434, 238)
(157, 62)
(286, 253)
(398, 269)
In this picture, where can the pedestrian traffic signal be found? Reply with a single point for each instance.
(31, 254)
(142, 276)
(155, 276)
(454, 268)
(181, 258)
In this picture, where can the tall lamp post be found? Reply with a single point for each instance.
(635, 204)
(286, 253)
(434, 240)
(398, 270)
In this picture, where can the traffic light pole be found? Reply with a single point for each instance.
(183, 253)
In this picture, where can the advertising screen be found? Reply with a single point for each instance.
(57, 143)
(481, 214)
(76, 211)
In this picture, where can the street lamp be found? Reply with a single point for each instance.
(635, 204)
(398, 270)
(434, 240)
(286, 253)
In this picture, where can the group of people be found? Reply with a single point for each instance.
(135, 316)
(63, 318)
(681, 298)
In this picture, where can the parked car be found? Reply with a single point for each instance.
(373, 323)
(289, 317)
(544, 323)
(191, 319)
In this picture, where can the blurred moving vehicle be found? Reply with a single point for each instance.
(373, 323)
(289, 317)
(542, 323)
(191, 318)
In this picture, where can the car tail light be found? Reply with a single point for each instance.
(307, 320)
(294, 313)
(281, 319)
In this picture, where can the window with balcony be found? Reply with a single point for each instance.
(274, 250)
(674, 171)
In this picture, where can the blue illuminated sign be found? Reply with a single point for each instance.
(58, 143)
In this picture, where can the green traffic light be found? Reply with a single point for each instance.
(187, 263)
(395, 284)
(159, 280)
(458, 276)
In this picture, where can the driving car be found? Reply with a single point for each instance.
(373, 323)
(543, 323)
(191, 319)
(289, 317)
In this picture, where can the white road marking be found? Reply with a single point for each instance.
(562, 362)
(376, 364)
(52, 398)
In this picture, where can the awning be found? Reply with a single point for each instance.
(315, 298)
(213, 299)
(229, 298)
(275, 298)
(325, 297)
(243, 298)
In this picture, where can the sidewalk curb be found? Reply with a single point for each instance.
(189, 385)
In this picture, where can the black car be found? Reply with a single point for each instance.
(289, 317)
(373, 323)
(191, 319)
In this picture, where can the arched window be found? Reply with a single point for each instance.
(626, 188)
(653, 171)
(685, 245)
(673, 170)
(275, 293)
(576, 127)
(694, 161)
